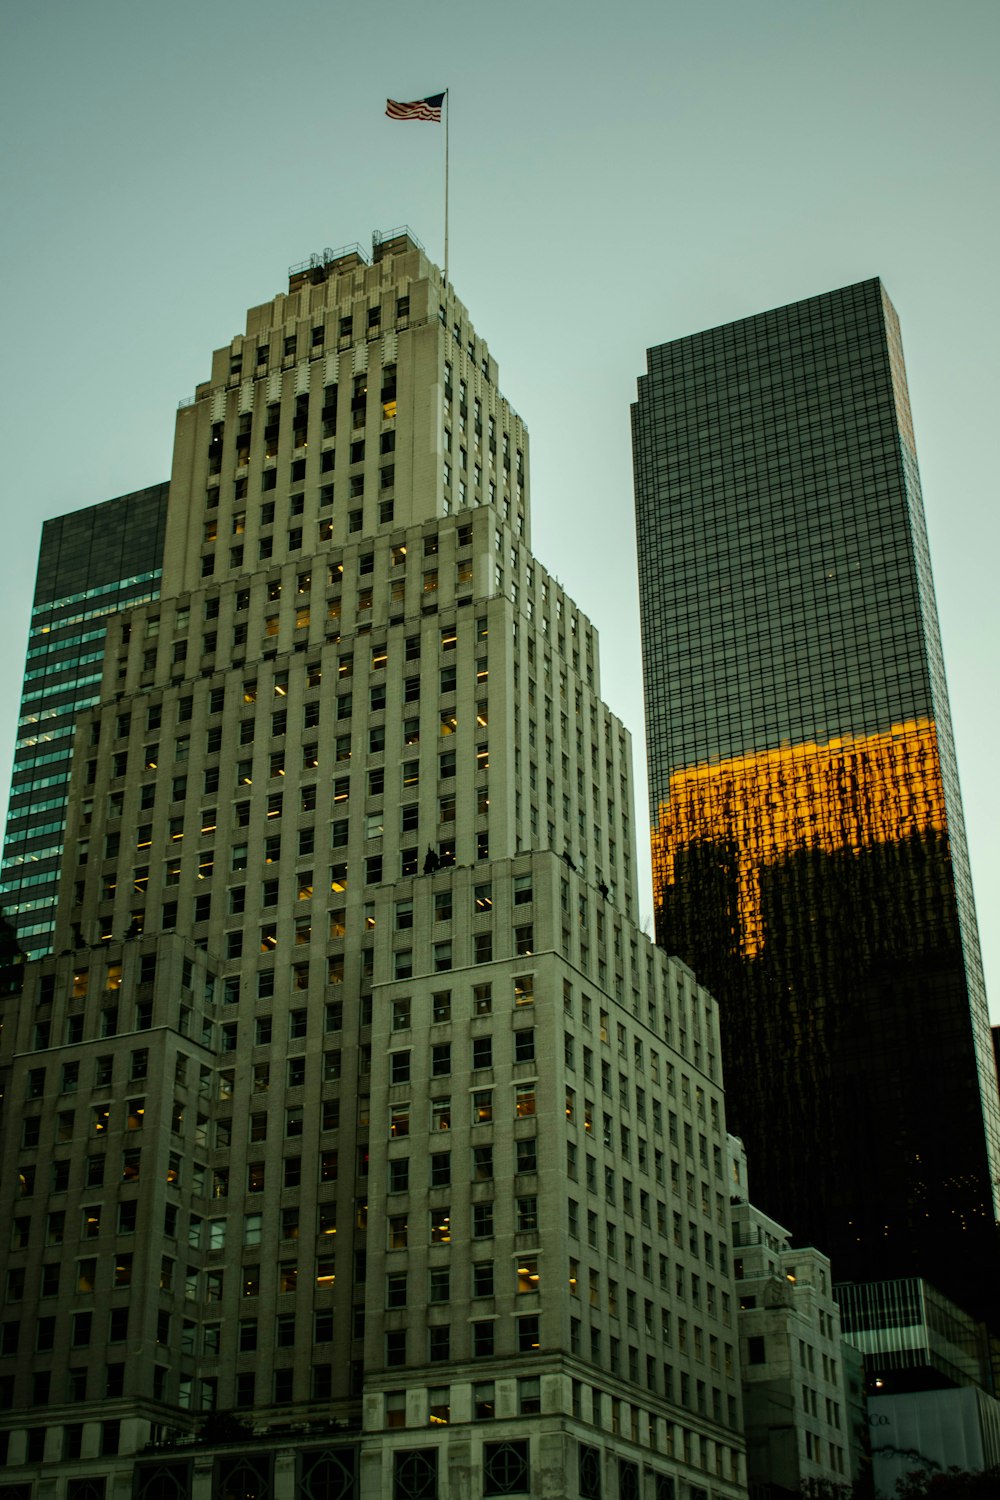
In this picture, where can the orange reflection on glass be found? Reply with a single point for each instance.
(849, 793)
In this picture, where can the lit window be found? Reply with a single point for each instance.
(527, 1265)
(524, 1100)
(524, 989)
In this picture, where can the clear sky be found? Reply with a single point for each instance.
(620, 175)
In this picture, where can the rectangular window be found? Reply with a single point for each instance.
(439, 1346)
(524, 1100)
(441, 1006)
(439, 1284)
(527, 1217)
(483, 1345)
(527, 1155)
(482, 1278)
(528, 1333)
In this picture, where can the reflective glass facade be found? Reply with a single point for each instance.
(907, 1326)
(91, 564)
(809, 854)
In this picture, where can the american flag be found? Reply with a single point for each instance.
(418, 109)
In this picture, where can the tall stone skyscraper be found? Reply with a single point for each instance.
(809, 852)
(357, 1143)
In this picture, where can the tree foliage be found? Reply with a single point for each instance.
(950, 1484)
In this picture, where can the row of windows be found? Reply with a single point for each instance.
(428, 582)
(293, 540)
(589, 1117)
(482, 1226)
(291, 344)
(378, 653)
(658, 1172)
(442, 1010)
(403, 1121)
(506, 1465)
(373, 827)
(355, 455)
(64, 711)
(483, 1340)
(605, 1350)
(51, 670)
(611, 1243)
(274, 806)
(131, 1169)
(439, 1174)
(300, 439)
(303, 881)
(442, 957)
(276, 759)
(276, 764)
(84, 1276)
(118, 587)
(34, 830)
(72, 1436)
(610, 1187)
(208, 1234)
(150, 756)
(69, 1073)
(98, 1117)
(48, 692)
(52, 644)
(686, 1287)
(481, 1056)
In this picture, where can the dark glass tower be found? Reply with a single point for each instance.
(809, 853)
(92, 563)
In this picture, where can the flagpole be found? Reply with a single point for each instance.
(447, 112)
(429, 108)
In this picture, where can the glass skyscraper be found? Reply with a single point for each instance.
(809, 855)
(91, 564)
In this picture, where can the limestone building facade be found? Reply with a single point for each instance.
(364, 1146)
(797, 1411)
